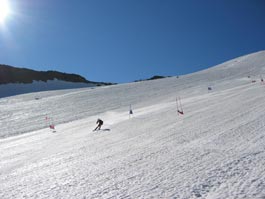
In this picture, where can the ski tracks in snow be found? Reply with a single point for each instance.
(215, 150)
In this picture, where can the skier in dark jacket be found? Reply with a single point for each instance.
(100, 123)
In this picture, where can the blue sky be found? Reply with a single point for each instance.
(126, 40)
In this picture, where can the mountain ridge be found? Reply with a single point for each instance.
(11, 74)
(16, 81)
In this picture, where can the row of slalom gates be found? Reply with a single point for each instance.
(50, 122)
(179, 103)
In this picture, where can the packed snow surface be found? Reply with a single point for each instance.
(215, 150)
(10, 89)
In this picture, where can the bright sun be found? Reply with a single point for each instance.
(4, 10)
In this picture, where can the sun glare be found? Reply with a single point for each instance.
(4, 10)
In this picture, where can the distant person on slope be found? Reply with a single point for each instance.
(100, 123)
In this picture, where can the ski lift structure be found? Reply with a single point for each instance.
(179, 106)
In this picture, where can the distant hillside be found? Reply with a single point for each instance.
(152, 78)
(10, 74)
(15, 81)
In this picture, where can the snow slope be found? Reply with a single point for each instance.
(215, 150)
(11, 89)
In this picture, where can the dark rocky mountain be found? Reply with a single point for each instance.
(15, 81)
(10, 74)
(152, 78)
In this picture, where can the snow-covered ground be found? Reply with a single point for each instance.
(215, 150)
(11, 89)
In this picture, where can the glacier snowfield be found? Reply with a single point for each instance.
(216, 150)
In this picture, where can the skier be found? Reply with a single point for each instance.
(100, 123)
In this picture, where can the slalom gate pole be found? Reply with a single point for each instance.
(130, 111)
(180, 105)
(177, 102)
